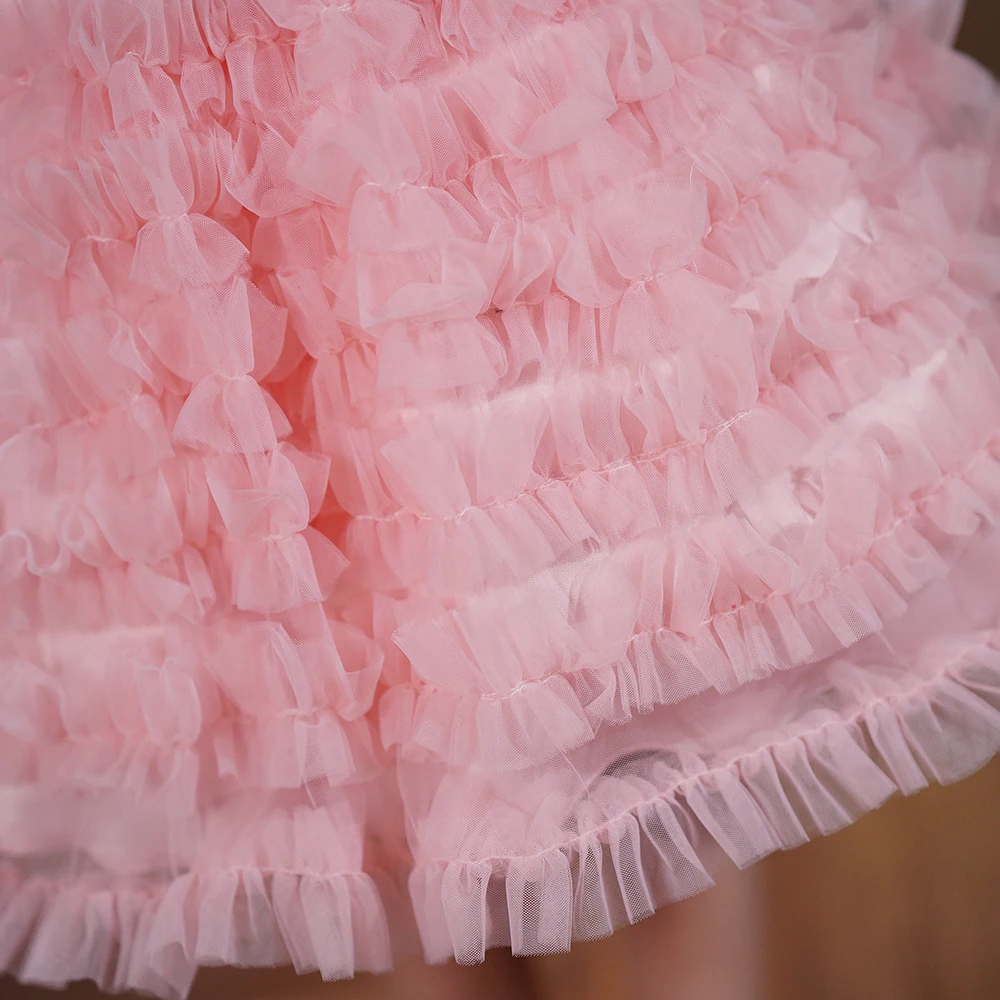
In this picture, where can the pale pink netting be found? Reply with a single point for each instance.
(460, 459)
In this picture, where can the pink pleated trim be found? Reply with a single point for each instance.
(662, 666)
(463, 463)
(776, 798)
(153, 937)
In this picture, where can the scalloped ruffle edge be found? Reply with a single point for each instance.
(125, 935)
(774, 798)
(128, 936)
(552, 714)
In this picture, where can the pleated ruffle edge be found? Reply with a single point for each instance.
(127, 936)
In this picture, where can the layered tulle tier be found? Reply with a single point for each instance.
(494, 447)
(274, 885)
(578, 847)
(553, 854)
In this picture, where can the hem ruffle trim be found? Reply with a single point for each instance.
(129, 937)
(125, 937)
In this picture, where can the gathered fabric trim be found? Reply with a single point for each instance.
(127, 935)
(175, 726)
(780, 395)
(590, 24)
(544, 717)
(357, 355)
(487, 545)
(131, 936)
(658, 850)
(515, 726)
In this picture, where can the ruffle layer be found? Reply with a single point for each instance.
(540, 718)
(153, 938)
(261, 882)
(262, 704)
(177, 750)
(671, 486)
(575, 415)
(401, 129)
(655, 849)
(862, 546)
(645, 351)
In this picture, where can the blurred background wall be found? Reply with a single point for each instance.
(904, 905)
(980, 34)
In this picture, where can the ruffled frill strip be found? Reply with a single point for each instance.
(774, 798)
(260, 883)
(831, 599)
(407, 134)
(153, 937)
(621, 492)
(347, 258)
(726, 658)
(685, 315)
(149, 719)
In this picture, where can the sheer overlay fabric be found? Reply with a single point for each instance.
(460, 460)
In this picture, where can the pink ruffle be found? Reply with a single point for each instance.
(137, 936)
(504, 445)
(140, 936)
(656, 849)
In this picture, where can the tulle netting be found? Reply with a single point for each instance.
(461, 460)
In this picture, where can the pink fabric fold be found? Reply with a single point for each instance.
(464, 463)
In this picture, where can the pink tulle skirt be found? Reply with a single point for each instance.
(461, 461)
